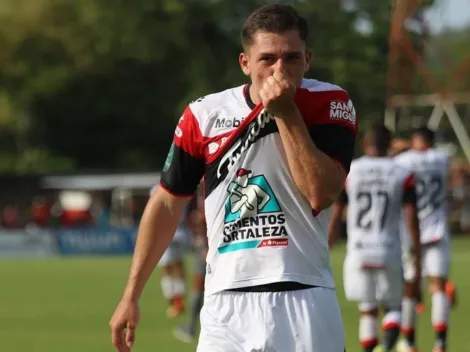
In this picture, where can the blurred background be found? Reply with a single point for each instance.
(90, 93)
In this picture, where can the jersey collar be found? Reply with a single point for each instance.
(246, 95)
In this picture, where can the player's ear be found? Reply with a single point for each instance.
(243, 60)
(308, 59)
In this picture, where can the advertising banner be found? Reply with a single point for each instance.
(96, 241)
(27, 243)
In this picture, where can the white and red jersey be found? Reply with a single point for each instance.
(375, 191)
(430, 168)
(260, 228)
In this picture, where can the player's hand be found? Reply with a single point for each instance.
(277, 94)
(123, 325)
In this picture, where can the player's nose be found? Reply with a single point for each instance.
(279, 65)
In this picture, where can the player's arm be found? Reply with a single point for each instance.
(336, 217)
(318, 177)
(157, 227)
(183, 170)
(320, 155)
(412, 221)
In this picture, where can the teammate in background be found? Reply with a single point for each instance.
(376, 191)
(430, 167)
(269, 284)
(172, 267)
(197, 223)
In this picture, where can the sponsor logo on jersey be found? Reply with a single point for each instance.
(253, 216)
(213, 147)
(228, 122)
(339, 110)
(242, 145)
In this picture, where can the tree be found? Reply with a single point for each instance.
(104, 86)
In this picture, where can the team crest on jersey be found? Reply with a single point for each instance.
(253, 216)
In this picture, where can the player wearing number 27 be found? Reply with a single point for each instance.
(430, 167)
(376, 192)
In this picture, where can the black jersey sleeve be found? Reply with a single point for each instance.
(336, 141)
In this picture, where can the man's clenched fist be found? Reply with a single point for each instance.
(277, 94)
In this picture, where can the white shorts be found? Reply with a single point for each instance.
(372, 287)
(174, 253)
(435, 261)
(295, 321)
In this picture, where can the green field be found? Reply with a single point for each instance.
(63, 305)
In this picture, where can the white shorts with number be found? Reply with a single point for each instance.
(371, 287)
(435, 261)
(295, 321)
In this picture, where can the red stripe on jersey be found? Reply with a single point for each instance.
(410, 182)
(188, 135)
(235, 133)
(211, 145)
(326, 107)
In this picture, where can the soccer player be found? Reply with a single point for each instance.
(269, 284)
(430, 167)
(197, 222)
(376, 191)
(172, 267)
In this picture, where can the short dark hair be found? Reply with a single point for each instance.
(273, 18)
(379, 137)
(425, 133)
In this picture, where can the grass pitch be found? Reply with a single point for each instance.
(64, 304)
